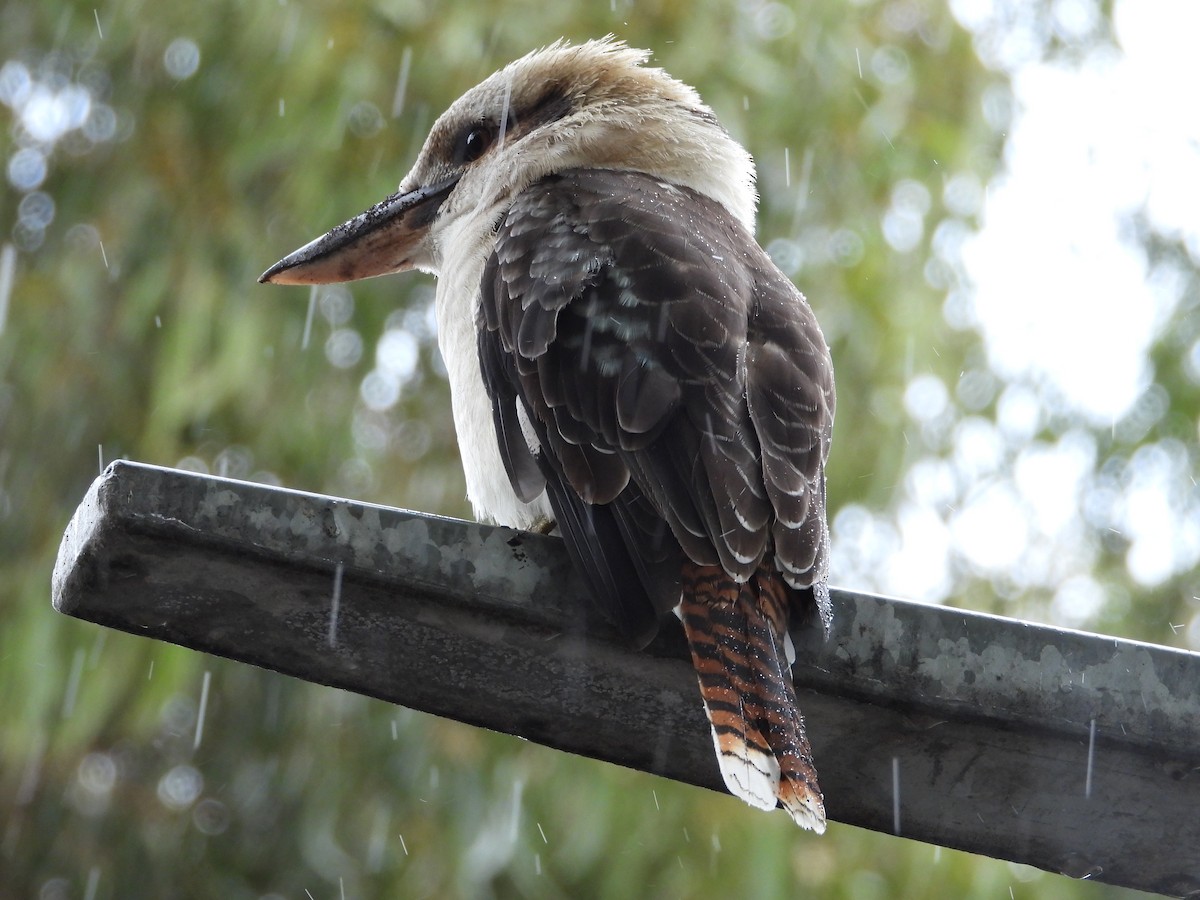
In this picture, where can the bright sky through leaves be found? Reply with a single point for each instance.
(1063, 296)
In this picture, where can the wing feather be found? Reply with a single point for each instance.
(672, 375)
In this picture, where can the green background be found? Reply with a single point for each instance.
(135, 328)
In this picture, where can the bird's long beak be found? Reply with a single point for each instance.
(376, 242)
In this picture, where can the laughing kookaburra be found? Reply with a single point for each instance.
(627, 362)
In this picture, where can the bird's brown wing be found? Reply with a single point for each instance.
(652, 343)
(680, 397)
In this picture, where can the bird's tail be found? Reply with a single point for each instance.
(740, 647)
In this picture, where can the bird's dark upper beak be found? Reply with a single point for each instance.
(376, 242)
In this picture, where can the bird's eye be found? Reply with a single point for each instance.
(475, 143)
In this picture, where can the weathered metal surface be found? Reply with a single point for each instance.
(992, 728)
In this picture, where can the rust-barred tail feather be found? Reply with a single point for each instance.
(740, 648)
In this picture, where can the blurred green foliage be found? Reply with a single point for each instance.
(235, 132)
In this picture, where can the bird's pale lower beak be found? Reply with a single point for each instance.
(377, 242)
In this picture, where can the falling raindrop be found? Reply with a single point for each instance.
(8, 265)
(308, 321)
(515, 819)
(896, 795)
(401, 83)
(68, 706)
(504, 109)
(93, 883)
(336, 602)
(1087, 787)
(201, 711)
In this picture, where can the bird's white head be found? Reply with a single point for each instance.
(592, 105)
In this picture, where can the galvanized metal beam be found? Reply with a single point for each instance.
(1072, 752)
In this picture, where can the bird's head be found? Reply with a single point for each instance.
(592, 105)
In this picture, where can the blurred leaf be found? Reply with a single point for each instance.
(136, 329)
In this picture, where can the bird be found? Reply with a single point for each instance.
(628, 366)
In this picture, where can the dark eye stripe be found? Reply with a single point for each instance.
(476, 139)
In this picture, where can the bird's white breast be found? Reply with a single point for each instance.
(488, 486)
